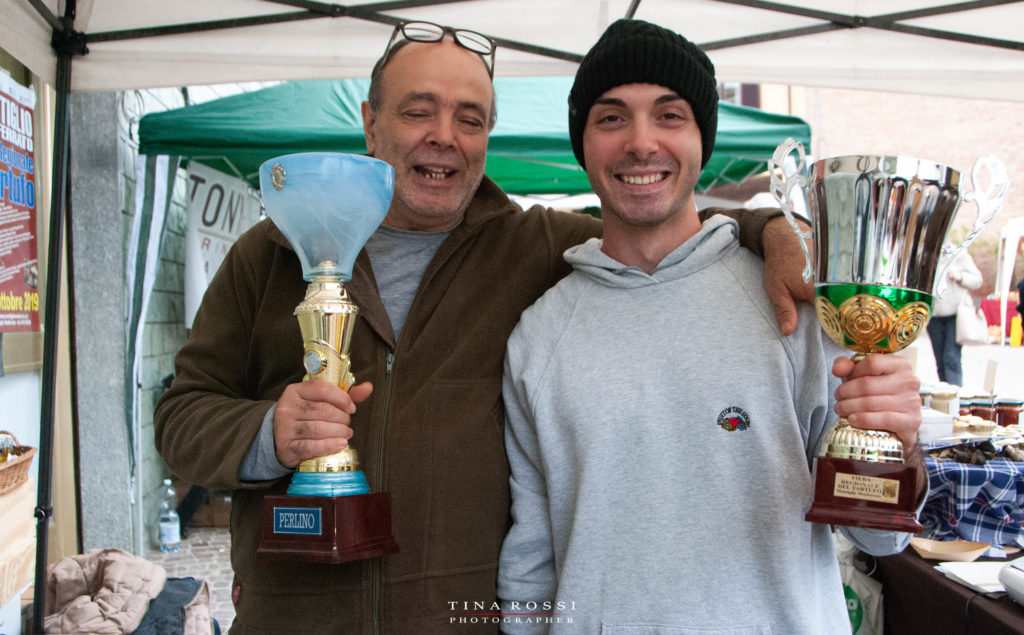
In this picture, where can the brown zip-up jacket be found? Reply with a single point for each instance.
(430, 434)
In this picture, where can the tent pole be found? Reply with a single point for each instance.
(59, 187)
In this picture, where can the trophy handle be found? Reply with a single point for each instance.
(989, 203)
(782, 189)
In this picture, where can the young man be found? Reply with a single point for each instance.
(650, 493)
(440, 286)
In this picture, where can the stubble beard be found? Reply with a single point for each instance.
(649, 214)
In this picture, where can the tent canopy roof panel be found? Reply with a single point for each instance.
(972, 48)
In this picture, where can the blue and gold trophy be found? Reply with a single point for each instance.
(327, 205)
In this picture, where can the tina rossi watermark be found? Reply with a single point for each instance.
(557, 612)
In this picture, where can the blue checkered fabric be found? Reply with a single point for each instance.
(983, 503)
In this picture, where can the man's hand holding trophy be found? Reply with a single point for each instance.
(879, 224)
(327, 205)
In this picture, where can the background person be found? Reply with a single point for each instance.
(1020, 285)
(961, 278)
(440, 286)
(649, 493)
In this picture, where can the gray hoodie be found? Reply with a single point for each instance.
(661, 434)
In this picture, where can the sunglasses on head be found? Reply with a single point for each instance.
(430, 32)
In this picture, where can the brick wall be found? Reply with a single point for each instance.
(163, 330)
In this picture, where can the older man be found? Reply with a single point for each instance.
(440, 286)
(652, 494)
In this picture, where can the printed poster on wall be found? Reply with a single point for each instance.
(19, 270)
(220, 208)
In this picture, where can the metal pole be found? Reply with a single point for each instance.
(58, 199)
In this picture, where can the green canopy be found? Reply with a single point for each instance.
(529, 150)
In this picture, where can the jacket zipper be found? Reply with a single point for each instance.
(376, 565)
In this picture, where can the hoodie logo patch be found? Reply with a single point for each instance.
(733, 418)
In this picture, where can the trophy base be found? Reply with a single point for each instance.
(327, 530)
(865, 494)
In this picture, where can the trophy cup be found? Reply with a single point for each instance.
(879, 226)
(327, 205)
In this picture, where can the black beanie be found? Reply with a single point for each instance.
(638, 52)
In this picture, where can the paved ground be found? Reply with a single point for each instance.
(205, 554)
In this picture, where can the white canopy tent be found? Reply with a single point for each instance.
(972, 48)
(967, 49)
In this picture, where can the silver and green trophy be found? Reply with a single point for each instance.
(327, 205)
(879, 230)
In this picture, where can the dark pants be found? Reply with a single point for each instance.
(942, 331)
(194, 499)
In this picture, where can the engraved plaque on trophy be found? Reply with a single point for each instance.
(327, 205)
(879, 224)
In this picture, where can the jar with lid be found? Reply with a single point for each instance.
(966, 403)
(984, 407)
(926, 396)
(1008, 410)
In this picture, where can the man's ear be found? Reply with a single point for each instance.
(369, 119)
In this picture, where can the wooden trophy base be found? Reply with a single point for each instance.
(865, 494)
(326, 529)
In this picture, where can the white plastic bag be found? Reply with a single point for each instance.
(863, 593)
(971, 325)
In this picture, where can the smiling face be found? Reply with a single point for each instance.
(432, 127)
(643, 151)
(642, 147)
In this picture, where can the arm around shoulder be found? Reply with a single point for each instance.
(752, 223)
(571, 228)
(768, 234)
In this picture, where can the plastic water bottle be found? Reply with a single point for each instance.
(170, 525)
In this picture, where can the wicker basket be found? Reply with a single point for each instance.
(14, 471)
